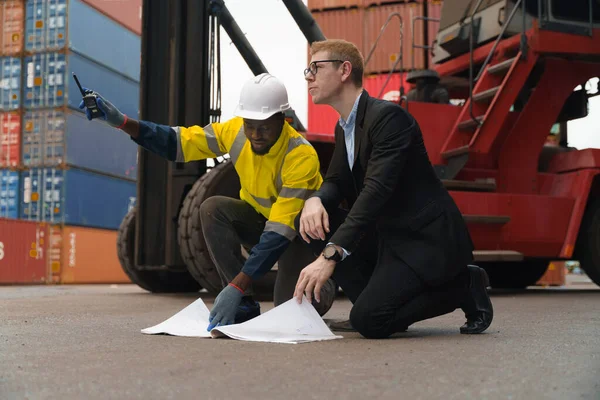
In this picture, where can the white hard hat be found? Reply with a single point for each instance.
(261, 97)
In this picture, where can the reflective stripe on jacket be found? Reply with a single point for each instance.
(275, 184)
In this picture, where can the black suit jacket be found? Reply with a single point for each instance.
(393, 187)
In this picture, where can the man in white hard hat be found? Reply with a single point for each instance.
(278, 171)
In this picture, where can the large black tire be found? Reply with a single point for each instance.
(221, 180)
(515, 275)
(152, 281)
(587, 247)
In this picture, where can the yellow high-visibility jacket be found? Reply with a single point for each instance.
(276, 184)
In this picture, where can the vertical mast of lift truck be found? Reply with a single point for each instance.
(305, 21)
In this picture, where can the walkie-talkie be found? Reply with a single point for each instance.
(89, 99)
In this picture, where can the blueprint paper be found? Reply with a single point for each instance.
(290, 323)
(192, 321)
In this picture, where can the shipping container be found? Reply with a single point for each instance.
(10, 83)
(9, 193)
(22, 252)
(49, 83)
(61, 137)
(84, 255)
(75, 197)
(329, 4)
(387, 50)
(379, 3)
(11, 27)
(10, 139)
(53, 25)
(342, 24)
(434, 11)
(126, 12)
(323, 118)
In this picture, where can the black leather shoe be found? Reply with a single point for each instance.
(477, 306)
(346, 326)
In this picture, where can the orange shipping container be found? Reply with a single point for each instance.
(325, 4)
(387, 50)
(126, 12)
(22, 256)
(84, 255)
(11, 26)
(342, 24)
(10, 139)
(434, 10)
(322, 118)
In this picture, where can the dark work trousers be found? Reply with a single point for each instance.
(387, 295)
(228, 224)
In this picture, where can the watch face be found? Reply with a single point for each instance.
(329, 251)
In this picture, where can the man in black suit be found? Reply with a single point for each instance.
(401, 252)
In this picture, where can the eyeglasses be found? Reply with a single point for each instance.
(312, 68)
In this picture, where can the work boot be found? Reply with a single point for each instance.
(247, 310)
(328, 293)
(477, 306)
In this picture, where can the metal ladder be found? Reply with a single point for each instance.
(481, 124)
(481, 120)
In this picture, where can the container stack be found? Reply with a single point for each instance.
(396, 52)
(70, 178)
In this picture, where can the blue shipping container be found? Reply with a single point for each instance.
(58, 24)
(9, 194)
(75, 197)
(49, 83)
(55, 137)
(10, 83)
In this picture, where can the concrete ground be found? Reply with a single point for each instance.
(84, 342)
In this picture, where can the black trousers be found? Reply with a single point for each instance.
(228, 224)
(387, 295)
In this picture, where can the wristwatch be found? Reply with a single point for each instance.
(330, 253)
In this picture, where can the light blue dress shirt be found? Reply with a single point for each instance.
(348, 127)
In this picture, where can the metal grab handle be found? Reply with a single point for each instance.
(400, 59)
(387, 21)
(390, 77)
(416, 46)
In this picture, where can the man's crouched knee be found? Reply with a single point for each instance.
(210, 205)
(372, 323)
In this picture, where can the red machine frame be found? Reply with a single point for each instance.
(529, 214)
